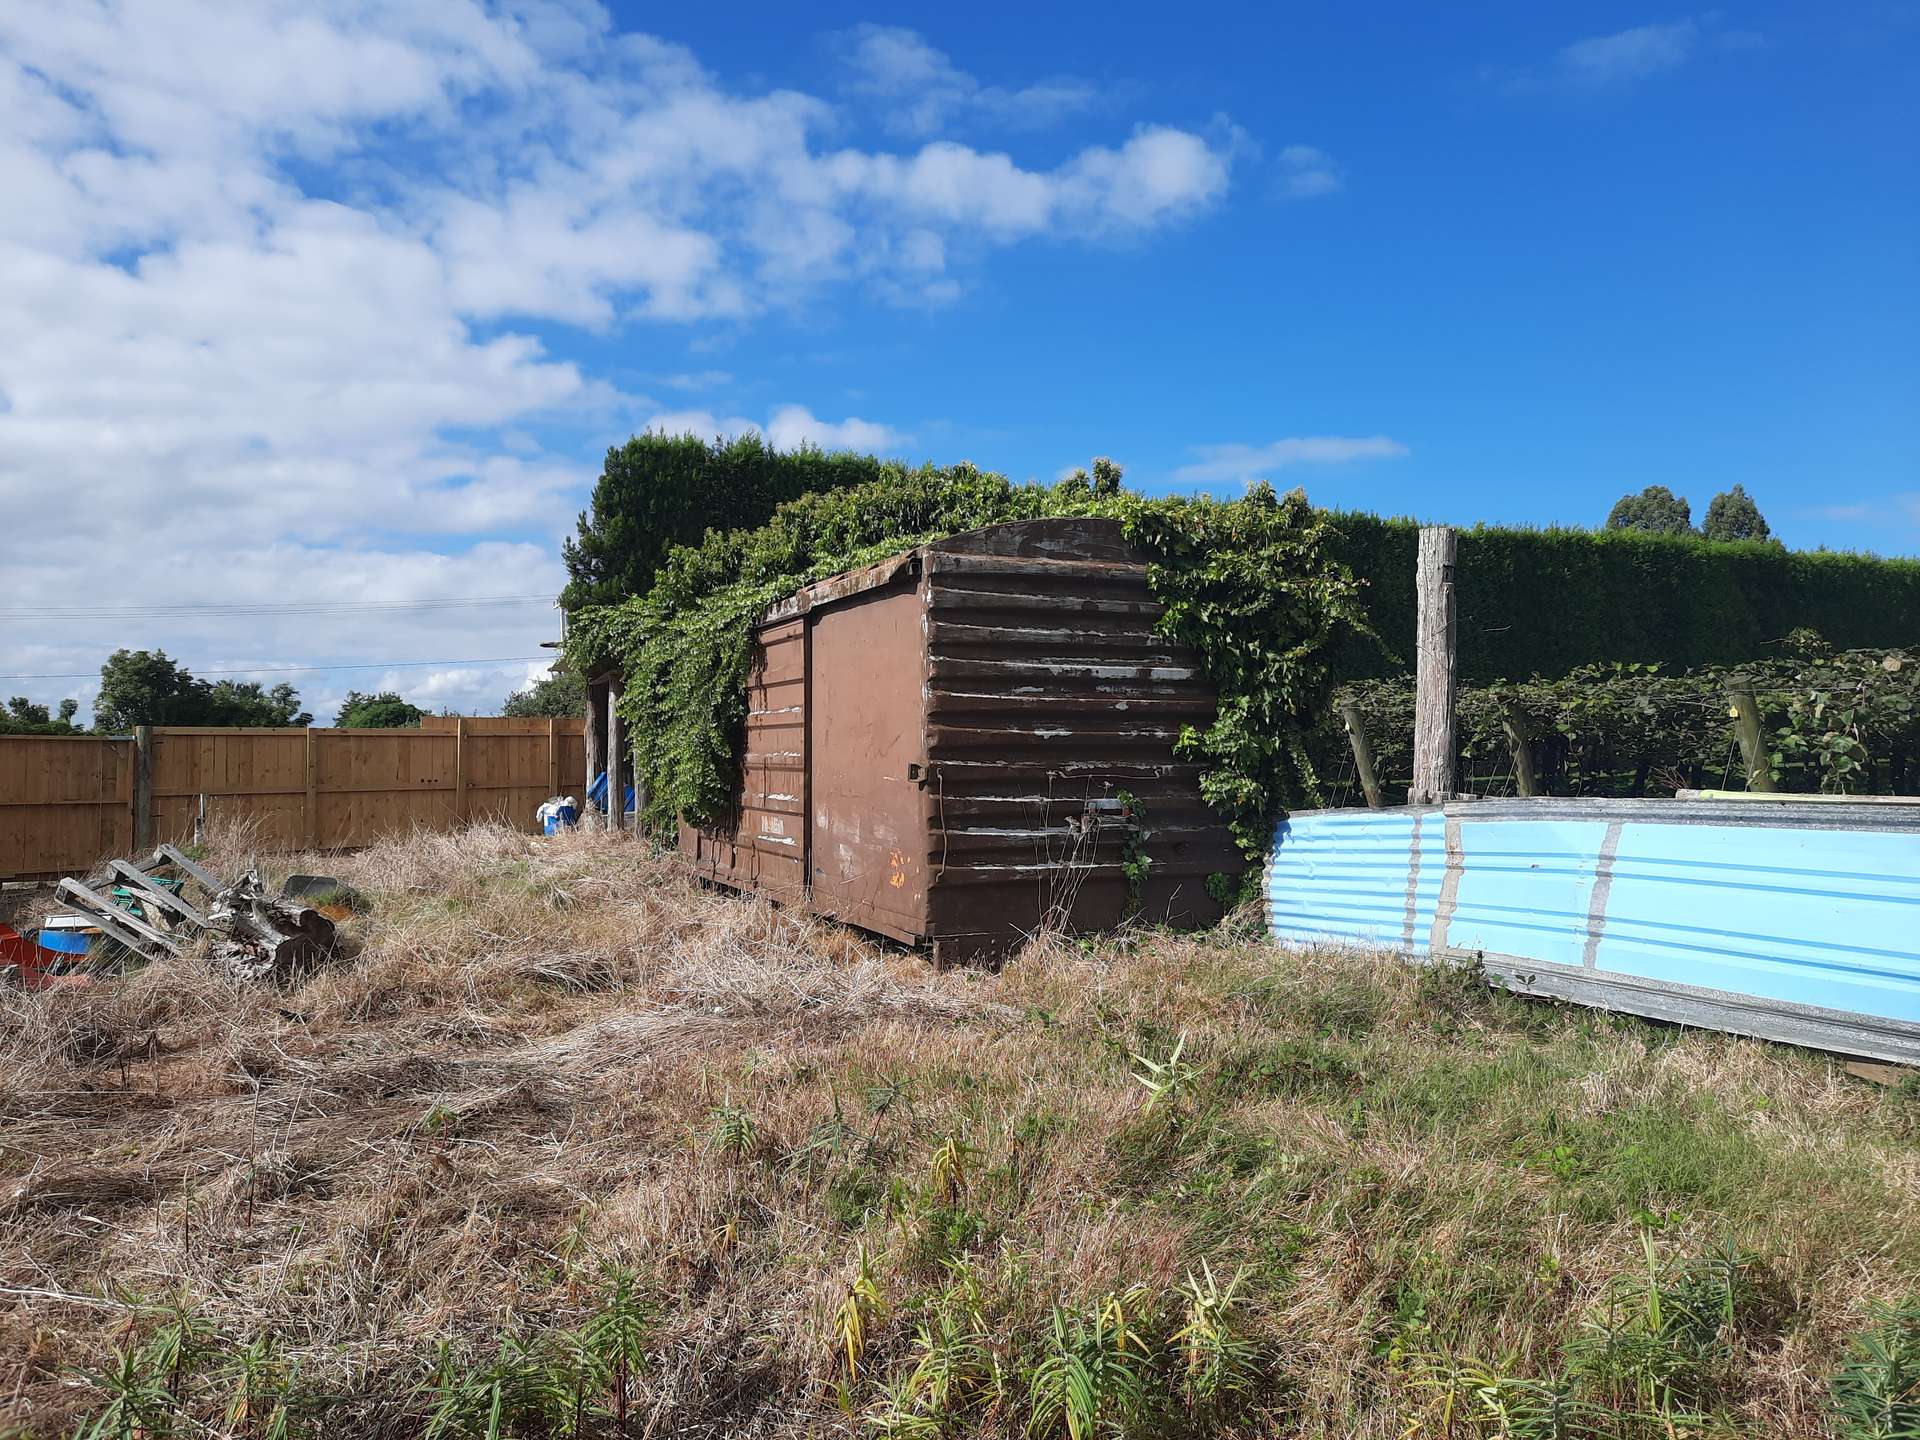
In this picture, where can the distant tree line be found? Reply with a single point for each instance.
(150, 687)
(564, 692)
(1656, 510)
(385, 711)
(22, 716)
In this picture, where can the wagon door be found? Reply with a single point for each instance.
(867, 853)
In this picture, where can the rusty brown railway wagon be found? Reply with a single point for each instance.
(969, 741)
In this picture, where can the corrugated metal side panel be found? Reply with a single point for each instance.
(1525, 887)
(1049, 694)
(1361, 877)
(1812, 917)
(1791, 923)
(765, 846)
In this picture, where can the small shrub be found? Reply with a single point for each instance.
(1094, 1375)
(1876, 1390)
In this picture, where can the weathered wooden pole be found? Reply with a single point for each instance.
(460, 761)
(595, 746)
(1746, 725)
(1362, 751)
(143, 789)
(616, 792)
(1519, 733)
(1435, 670)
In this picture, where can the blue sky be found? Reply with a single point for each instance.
(338, 303)
(1696, 265)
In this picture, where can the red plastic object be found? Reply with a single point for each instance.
(30, 960)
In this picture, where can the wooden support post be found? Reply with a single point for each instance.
(1746, 725)
(1362, 752)
(1434, 742)
(1519, 732)
(142, 789)
(553, 755)
(616, 793)
(460, 769)
(310, 825)
(596, 726)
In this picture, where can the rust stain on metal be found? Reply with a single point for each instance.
(936, 745)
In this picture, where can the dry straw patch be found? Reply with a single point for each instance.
(549, 1068)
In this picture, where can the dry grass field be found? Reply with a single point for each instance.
(566, 1145)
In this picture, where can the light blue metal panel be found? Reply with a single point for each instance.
(1370, 877)
(1797, 921)
(1827, 917)
(1525, 887)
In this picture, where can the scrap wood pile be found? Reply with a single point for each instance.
(130, 914)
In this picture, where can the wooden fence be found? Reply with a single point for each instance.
(68, 801)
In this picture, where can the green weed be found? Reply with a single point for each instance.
(1876, 1390)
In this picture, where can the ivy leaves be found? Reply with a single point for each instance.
(1251, 584)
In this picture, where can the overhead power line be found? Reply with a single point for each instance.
(290, 607)
(297, 669)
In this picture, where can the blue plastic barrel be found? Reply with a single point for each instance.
(60, 945)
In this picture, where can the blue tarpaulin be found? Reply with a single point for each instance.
(597, 793)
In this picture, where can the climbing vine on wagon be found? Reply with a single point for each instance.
(1252, 584)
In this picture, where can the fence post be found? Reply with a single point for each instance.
(616, 793)
(1746, 725)
(311, 826)
(142, 789)
(1519, 733)
(1362, 752)
(1435, 673)
(553, 755)
(596, 724)
(460, 768)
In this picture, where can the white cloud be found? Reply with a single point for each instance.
(697, 380)
(1157, 175)
(1252, 462)
(921, 91)
(703, 424)
(1306, 172)
(267, 269)
(1616, 62)
(1897, 512)
(794, 425)
(788, 428)
(1630, 54)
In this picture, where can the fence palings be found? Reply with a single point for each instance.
(66, 802)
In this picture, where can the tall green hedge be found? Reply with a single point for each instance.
(658, 491)
(1543, 602)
